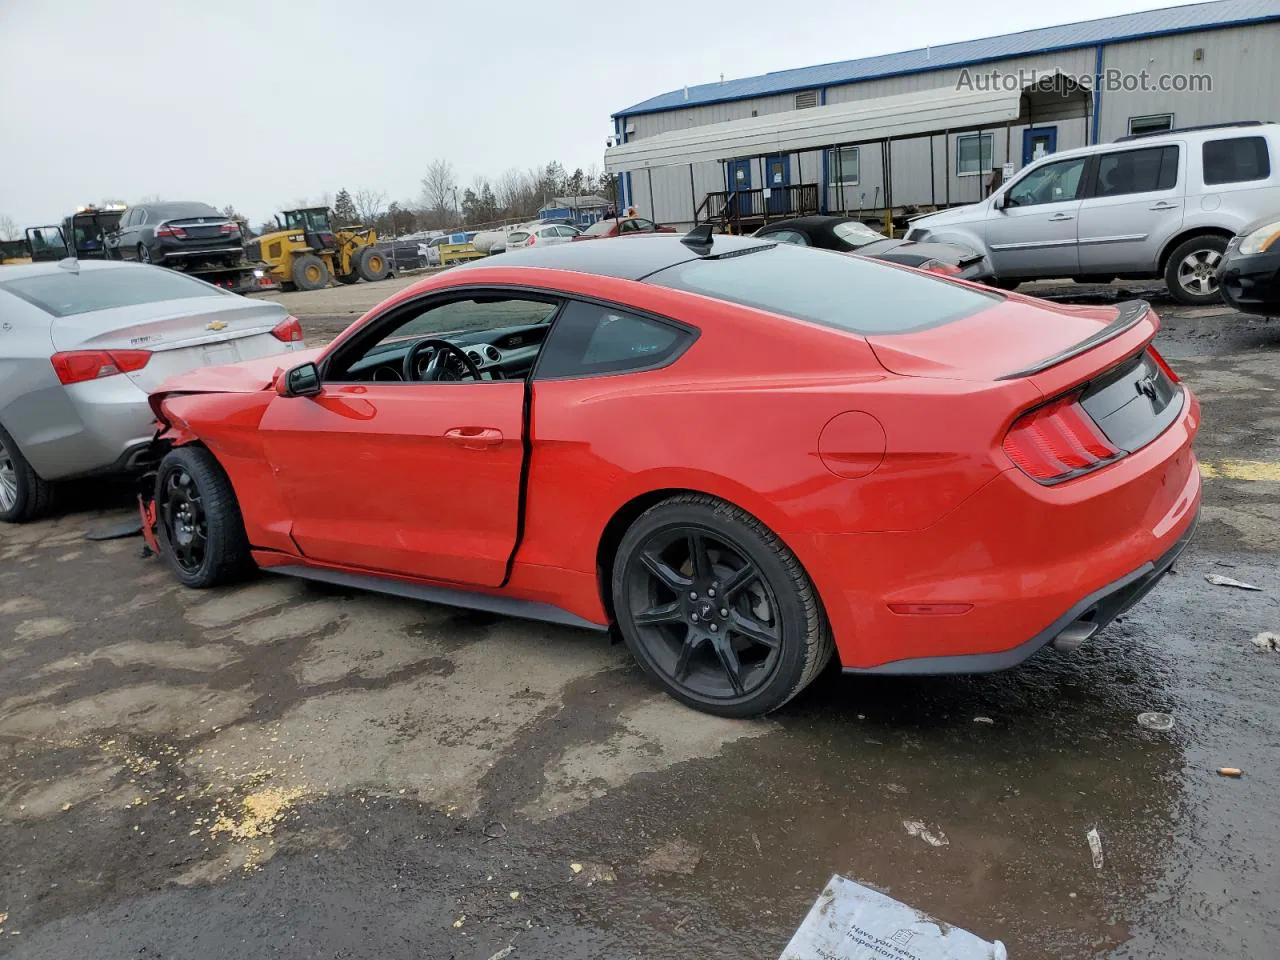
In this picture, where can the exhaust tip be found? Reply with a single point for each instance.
(1073, 635)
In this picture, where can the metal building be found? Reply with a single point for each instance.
(939, 126)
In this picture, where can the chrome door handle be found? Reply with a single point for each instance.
(1060, 217)
(474, 438)
(1164, 206)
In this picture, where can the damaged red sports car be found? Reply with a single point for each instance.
(745, 456)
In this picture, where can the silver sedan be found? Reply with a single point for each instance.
(81, 345)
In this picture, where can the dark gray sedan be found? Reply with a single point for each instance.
(177, 234)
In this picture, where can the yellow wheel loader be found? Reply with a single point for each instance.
(307, 251)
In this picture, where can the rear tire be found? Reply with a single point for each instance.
(144, 255)
(1191, 271)
(371, 265)
(199, 526)
(716, 608)
(309, 272)
(24, 495)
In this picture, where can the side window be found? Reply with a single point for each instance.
(645, 226)
(516, 326)
(127, 219)
(1051, 183)
(1137, 171)
(1236, 161)
(141, 218)
(629, 226)
(590, 340)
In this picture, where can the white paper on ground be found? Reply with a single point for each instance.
(853, 922)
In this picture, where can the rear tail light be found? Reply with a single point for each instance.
(531, 241)
(169, 230)
(78, 366)
(937, 266)
(1058, 441)
(229, 228)
(288, 330)
(1160, 362)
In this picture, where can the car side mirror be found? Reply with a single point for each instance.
(999, 202)
(300, 381)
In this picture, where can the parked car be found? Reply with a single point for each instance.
(1249, 275)
(430, 250)
(847, 235)
(712, 444)
(84, 342)
(176, 233)
(400, 254)
(622, 227)
(541, 234)
(1149, 205)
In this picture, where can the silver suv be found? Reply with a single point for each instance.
(1149, 205)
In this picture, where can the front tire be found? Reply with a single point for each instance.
(23, 494)
(371, 265)
(199, 527)
(310, 273)
(1191, 273)
(716, 608)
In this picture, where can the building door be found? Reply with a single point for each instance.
(1038, 142)
(777, 177)
(738, 173)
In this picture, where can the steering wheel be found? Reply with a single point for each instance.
(437, 367)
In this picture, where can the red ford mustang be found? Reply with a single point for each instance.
(744, 455)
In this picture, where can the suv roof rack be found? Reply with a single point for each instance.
(1203, 126)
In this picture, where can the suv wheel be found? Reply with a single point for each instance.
(1191, 272)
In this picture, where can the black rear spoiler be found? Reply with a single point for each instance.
(1129, 314)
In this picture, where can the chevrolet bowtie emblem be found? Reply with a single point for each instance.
(216, 325)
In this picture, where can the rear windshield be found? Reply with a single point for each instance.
(178, 210)
(518, 236)
(599, 228)
(833, 289)
(65, 294)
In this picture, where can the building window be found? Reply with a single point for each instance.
(973, 154)
(844, 166)
(807, 99)
(1152, 124)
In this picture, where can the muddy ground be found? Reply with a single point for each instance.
(288, 770)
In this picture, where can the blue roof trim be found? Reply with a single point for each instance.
(1091, 33)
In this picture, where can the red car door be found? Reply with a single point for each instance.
(415, 479)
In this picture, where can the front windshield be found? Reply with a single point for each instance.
(856, 234)
(311, 221)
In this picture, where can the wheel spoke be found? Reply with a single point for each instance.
(754, 630)
(732, 666)
(699, 557)
(664, 572)
(738, 579)
(691, 643)
(1211, 258)
(662, 613)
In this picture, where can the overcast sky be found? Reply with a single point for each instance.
(259, 104)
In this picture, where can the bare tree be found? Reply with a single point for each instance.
(8, 229)
(369, 205)
(439, 186)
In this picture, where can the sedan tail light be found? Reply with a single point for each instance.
(169, 230)
(1058, 441)
(78, 366)
(229, 228)
(288, 330)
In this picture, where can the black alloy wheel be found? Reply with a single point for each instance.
(185, 525)
(717, 609)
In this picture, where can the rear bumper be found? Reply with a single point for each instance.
(213, 247)
(102, 426)
(1078, 624)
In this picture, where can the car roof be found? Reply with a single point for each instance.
(46, 267)
(813, 222)
(627, 258)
